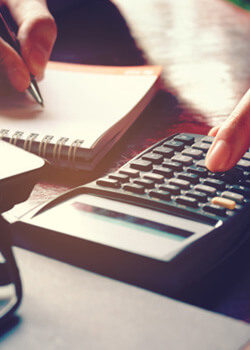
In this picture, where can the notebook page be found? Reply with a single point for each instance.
(78, 104)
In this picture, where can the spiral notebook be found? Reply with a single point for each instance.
(87, 110)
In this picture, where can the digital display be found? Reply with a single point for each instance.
(137, 222)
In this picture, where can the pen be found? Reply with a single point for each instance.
(8, 34)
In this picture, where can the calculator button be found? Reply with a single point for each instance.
(215, 209)
(202, 172)
(207, 139)
(194, 153)
(140, 164)
(176, 166)
(200, 196)
(144, 182)
(218, 184)
(130, 172)
(184, 184)
(184, 160)
(187, 139)
(166, 172)
(241, 190)
(157, 178)
(238, 198)
(201, 146)
(139, 189)
(193, 178)
(224, 202)
(246, 156)
(119, 177)
(164, 151)
(188, 201)
(201, 163)
(176, 145)
(107, 182)
(175, 190)
(155, 158)
(164, 195)
(243, 164)
(211, 191)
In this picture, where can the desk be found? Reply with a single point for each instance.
(203, 46)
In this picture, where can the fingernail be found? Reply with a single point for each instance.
(217, 158)
(19, 79)
(38, 58)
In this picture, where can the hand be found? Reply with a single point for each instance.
(36, 34)
(232, 138)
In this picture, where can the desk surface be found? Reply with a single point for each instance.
(203, 46)
(65, 307)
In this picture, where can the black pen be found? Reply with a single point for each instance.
(8, 34)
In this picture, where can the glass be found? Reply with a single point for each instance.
(10, 282)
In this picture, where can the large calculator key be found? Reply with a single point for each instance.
(215, 209)
(243, 164)
(188, 201)
(209, 190)
(184, 160)
(157, 178)
(107, 182)
(207, 139)
(241, 190)
(187, 139)
(220, 185)
(160, 194)
(174, 190)
(238, 198)
(138, 189)
(140, 164)
(145, 182)
(200, 196)
(119, 177)
(166, 172)
(164, 151)
(202, 172)
(194, 153)
(184, 184)
(193, 178)
(155, 158)
(176, 166)
(130, 172)
(224, 202)
(203, 146)
(176, 145)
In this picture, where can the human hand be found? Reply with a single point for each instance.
(232, 138)
(36, 34)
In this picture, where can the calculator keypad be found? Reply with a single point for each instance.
(172, 173)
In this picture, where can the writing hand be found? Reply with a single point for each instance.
(36, 34)
(232, 138)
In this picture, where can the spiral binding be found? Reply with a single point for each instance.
(43, 145)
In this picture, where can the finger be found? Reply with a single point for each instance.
(12, 68)
(37, 32)
(232, 139)
(213, 131)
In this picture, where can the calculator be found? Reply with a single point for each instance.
(162, 221)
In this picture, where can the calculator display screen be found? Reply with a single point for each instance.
(132, 221)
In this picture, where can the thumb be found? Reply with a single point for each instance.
(37, 32)
(232, 139)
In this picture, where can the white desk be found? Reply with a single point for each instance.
(69, 308)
